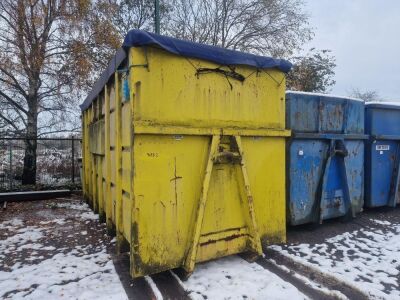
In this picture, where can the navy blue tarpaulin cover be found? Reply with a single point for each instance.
(218, 55)
(215, 54)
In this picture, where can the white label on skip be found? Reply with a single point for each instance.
(382, 147)
(301, 152)
(178, 137)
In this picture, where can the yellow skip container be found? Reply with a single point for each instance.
(184, 151)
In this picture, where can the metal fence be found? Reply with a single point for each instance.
(57, 163)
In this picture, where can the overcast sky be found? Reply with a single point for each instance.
(364, 36)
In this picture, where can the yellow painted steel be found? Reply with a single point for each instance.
(187, 167)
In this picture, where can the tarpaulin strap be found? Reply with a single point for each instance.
(227, 73)
(279, 83)
(395, 181)
(231, 73)
(145, 65)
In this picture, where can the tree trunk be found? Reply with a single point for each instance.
(29, 172)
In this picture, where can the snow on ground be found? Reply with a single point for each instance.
(234, 278)
(64, 276)
(75, 206)
(314, 285)
(368, 259)
(31, 268)
(59, 251)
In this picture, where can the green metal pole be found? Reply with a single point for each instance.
(157, 16)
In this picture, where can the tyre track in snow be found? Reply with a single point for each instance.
(139, 288)
(328, 282)
(298, 283)
(169, 286)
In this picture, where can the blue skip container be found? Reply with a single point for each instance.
(382, 162)
(325, 157)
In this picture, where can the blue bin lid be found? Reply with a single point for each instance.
(338, 114)
(384, 105)
(218, 55)
(325, 96)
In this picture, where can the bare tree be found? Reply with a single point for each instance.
(130, 14)
(366, 95)
(274, 27)
(313, 72)
(137, 14)
(43, 58)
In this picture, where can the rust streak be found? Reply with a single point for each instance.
(226, 239)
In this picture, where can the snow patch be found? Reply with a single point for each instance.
(314, 285)
(89, 216)
(367, 259)
(81, 206)
(64, 276)
(324, 95)
(84, 272)
(396, 103)
(380, 222)
(11, 224)
(22, 236)
(154, 288)
(234, 278)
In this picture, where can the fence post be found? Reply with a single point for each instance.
(73, 159)
(10, 175)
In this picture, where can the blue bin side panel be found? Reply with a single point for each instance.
(380, 167)
(319, 186)
(382, 123)
(305, 171)
(307, 161)
(302, 113)
(355, 117)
